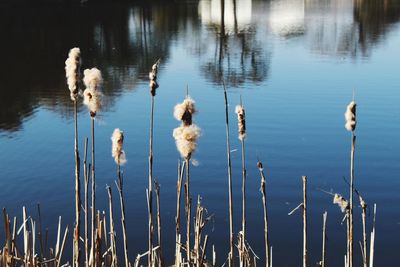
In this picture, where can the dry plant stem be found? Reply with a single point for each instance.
(121, 198)
(93, 198)
(264, 200)
(228, 149)
(348, 237)
(187, 187)
(77, 192)
(243, 197)
(112, 230)
(86, 177)
(157, 189)
(372, 245)
(304, 221)
(353, 143)
(178, 211)
(324, 239)
(364, 215)
(150, 192)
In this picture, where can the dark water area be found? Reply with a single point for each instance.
(294, 63)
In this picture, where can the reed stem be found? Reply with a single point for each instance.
(353, 143)
(188, 209)
(160, 258)
(123, 223)
(264, 200)
(364, 215)
(77, 191)
(150, 191)
(304, 221)
(113, 246)
(86, 171)
(243, 200)
(325, 215)
(178, 212)
(228, 150)
(93, 197)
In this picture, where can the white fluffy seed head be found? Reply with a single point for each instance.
(92, 99)
(92, 78)
(241, 121)
(185, 110)
(117, 139)
(72, 71)
(341, 201)
(186, 139)
(350, 116)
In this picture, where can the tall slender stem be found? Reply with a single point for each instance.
(123, 222)
(264, 200)
(187, 187)
(353, 143)
(77, 192)
(304, 221)
(364, 215)
(114, 262)
(325, 215)
(228, 150)
(86, 176)
(150, 191)
(178, 212)
(243, 200)
(93, 197)
(157, 190)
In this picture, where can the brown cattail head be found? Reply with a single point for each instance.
(117, 152)
(186, 139)
(341, 201)
(185, 110)
(241, 121)
(92, 96)
(153, 78)
(350, 116)
(72, 71)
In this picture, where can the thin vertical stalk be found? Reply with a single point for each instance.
(86, 177)
(112, 230)
(372, 245)
(187, 187)
(77, 192)
(348, 237)
(304, 221)
(123, 223)
(364, 215)
(353, 143)
(325, 215)
(243, 201)
(264, 200)
(228, 150)
(150, 192)
(160, 258)
(178, 211)
(93, 197)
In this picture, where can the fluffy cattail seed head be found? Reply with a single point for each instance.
(92, 78)
(117, 152)
(241, 121)
(185, 110)
(153, 78)
(341, 201)
(92, 96)
(350, 116)
(186, 139)
(72, 71)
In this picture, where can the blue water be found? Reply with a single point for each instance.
(294, 63)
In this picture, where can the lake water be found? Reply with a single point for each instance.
(295, 63)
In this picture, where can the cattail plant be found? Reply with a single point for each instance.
(264, 200)
(239, 110)
(363, 205)
(228, 152)
(92, 99)
(118, 154)
(186, 137)
(350, 116)
(178, 213)
(153, 86)
(72, 73)
(345, 208)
